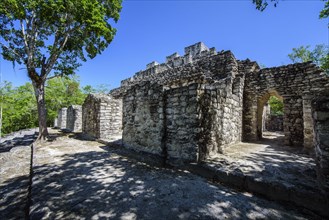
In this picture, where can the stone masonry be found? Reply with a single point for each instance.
(321, 127)
(61, 118)
(74, 118)
(297, 84)
(274, 123)
(196, 105)
(102, 116)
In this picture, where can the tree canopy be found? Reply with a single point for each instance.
(319, 55)
(52, 37)
(262, 4)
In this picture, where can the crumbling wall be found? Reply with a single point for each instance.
(188, 111)
(74, 118)
(297, 84)
(293, 124)
(143, 118)
(62, 114)
(56, 122)
(196, 105)
(102, 116)
(274, 123)
(320, 113)
(182, 125)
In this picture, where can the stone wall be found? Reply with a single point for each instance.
(297, 84)
(74, 118)
(62, 114)
(320, 113)
(274, 123)
(143, 118)
(102, 116)
(56, 122)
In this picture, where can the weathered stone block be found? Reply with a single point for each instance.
(62, 114)
(98, 113)
(74, 118)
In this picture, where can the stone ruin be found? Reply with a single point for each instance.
(320, 109)
(196, 105)
(102, 116)
(61, 118)
(74, 118)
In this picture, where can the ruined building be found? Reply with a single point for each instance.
(102, 116)
(61, 118)
(196, 105)
(74, 118)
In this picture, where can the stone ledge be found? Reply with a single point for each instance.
(314, 202)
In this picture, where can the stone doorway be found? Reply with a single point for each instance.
(297, 119)
(270, 116)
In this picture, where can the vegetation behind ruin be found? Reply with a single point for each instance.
(19, 109)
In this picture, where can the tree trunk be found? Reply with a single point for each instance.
(39, 90)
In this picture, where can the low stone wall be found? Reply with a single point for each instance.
(74, 118)
(62, 116)
(102, 116)
(320, 113)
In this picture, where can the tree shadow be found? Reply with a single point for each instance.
(276, 171)
(25, 140)
(105, 185)
(14, 198)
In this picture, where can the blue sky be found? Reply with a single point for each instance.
(152, 30)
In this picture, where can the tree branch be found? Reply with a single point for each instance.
(52, 59)
(12, 51)
(55, 76)
(57, 51)
(26, 46)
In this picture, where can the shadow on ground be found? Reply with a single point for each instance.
(14, 198)
(25, 140)
(15, 158)
(101, 184)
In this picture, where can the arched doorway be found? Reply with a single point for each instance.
(264, 112)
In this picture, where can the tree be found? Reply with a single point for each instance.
(276, 105)
(19, 110)
(62, 92)
(52, 37)
(262, 4)
(319, 55)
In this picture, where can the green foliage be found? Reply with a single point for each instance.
(276, 106)
(62, 92)
(19, 105)
(52, 37)
(325, 11)
(319, 55)
(262, 4)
